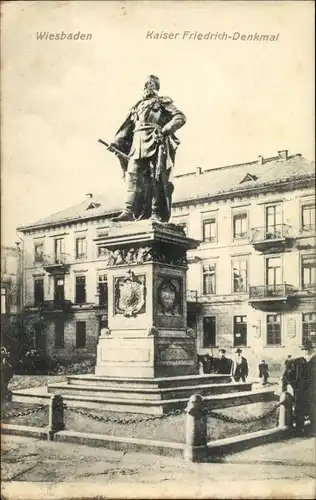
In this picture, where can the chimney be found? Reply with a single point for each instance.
(283, 154)
(89, 196)
(260, 160)
(198, 170)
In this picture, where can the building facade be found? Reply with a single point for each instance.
(251, 282)
(11, 292)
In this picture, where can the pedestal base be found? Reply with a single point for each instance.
(146, 395)
(167, 354)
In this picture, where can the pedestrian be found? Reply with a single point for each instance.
(288, 374)
(223, 365)
(300, 376)
(6, 373)
(207, 361)
(240, 367)
(263, 372)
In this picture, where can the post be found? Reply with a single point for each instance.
(56, 416)
(286, 410)
(195, 429)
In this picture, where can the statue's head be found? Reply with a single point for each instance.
(151, 86)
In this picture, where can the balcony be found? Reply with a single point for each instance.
(56, 306)
(308, 229)
(273, 238)
(272, 297)
(193, 305)
(308, 290)
(56, 263)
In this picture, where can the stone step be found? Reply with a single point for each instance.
(41, 396)
(162, 382)
(142, 393)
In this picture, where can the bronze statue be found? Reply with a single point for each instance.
(146, 145)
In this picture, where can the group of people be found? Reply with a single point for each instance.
(298, 378)
(223, 365)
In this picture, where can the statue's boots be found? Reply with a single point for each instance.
(127, 214)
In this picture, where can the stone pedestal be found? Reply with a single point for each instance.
(147, 335)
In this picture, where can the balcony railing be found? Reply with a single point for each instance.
(56, 305)
(308, 228)
(59, 259)
(56, 262)
(263, 292)
(309, 288)
(277, 232)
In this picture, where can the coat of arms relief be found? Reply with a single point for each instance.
(130, 294)
(169, 297)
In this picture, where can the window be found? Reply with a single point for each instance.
(59, 250)
(240, 275)
(81, 334)
(309, 327)
(38, 291)
(240, 330)
(59, 333)
(80, 289)
(59, 290)
(273, 222)
(240, 226)
(209, 331)
(38, 252)
(273, 329)
(308, 217)
(81, 248)
(209, 279)
(273, 271)
(209, 230)
(3, 300)
(103, 290)
(308, 271)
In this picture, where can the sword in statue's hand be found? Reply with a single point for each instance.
(113, 149)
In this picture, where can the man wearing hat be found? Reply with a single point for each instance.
(301, 376)
(147, 138)
(223, 365)
(240, 367)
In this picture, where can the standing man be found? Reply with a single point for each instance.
(147, 137)
(6, 374)
(263, 372)
(223, 365)
(240, 367)
(300, 375)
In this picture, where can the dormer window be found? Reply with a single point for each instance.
(249, 177)
(93, 205)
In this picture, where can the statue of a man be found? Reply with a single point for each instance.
(147, 137)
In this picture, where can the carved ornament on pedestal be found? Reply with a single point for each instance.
(169, 297)
(143, 255)
(129, 295)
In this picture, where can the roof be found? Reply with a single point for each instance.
(197, 185)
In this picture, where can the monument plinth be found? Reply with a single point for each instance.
(146, 359)
(147, 332)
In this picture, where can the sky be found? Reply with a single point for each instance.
(241, 98)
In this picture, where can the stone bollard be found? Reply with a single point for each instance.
(56, 416)
(286, 410)
(195, 430)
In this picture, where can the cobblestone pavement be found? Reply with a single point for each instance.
(281, 468)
